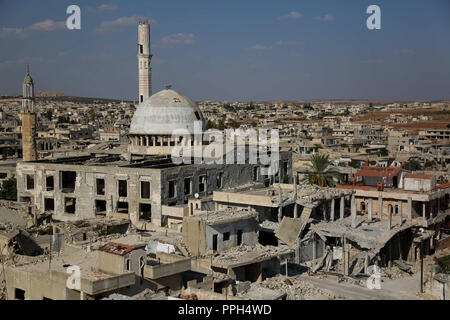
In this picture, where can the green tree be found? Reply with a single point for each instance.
(210, 125)
(413, 165)
(49, 115)
(355, 164)
(63, 119)
(317, 146)
(91, 114)
(8, 189)
(320, 172)
(429, 164)
(383, 152)
(234, 124)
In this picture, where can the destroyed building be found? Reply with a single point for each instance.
(396, 218)
(149, 190)
(220, 230)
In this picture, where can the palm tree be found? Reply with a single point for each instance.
(320, 173)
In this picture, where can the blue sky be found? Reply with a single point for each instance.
(232, 50)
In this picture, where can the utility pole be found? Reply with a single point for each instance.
(4, 274)
(421, 267)
(286, 268)
(50, 254)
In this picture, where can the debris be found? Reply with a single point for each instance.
(295, 288)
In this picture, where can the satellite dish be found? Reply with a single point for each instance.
(196, 196)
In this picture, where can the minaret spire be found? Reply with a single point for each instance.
(144, 58)
(29, 118)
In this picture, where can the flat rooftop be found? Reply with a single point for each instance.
(397, 193)
(244, 255)
(156, 162)
(280, 194)
(369, 235)
(87, 261)
(225, 216)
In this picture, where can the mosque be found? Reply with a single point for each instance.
(138, 182)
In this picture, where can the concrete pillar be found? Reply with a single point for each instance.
(341, 208)
(314, 247)
(295, 210)
(280, 209)
(424, 211)
(346, 260)
(380, 206)
(353, 210)
(295, 185)
(366, 264)
(332, 210)
(280, 214)
(324, 208)
(400, 212)
(370, 208)
(390, 254)
(409, 209)
(389, 217)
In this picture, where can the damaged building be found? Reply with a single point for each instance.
(144, 186)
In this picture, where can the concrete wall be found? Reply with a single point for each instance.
(167, 269)
(373, 181)
(194, 235)
(198, 236)
(53, 285)
(414, 184)
(111, 263)
(38, 285)
(85, 189)
(115, 264)
(249, 229)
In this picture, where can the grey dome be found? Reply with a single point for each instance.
(165, 112)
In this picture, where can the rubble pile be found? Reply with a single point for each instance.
(294, 288)
(269, 225)
(236, 254)
(2, 291)
(393, 272)
(226, 214)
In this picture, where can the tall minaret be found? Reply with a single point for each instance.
(144, 57)
(28, 119)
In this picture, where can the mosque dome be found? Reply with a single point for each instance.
(164, 112)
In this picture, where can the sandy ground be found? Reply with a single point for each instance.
(399, 289)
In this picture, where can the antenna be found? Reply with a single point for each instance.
(28, 68)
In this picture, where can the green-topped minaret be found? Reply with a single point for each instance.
(28, 119)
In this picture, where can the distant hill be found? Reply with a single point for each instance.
(86, 100)
(50, 94)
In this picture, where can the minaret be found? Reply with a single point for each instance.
(28, 120)
(144, 57)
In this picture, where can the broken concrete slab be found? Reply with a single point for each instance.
(289, 230)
